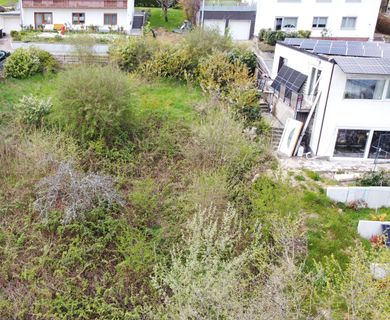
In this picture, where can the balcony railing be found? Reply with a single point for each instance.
(79, 4)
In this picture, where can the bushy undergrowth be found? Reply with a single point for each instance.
(93, 102)
(272, 36)
(25, 63)
(208, 229)
(32, 111)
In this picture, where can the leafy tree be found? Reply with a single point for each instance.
(165, 5)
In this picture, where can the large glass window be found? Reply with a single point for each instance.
(380, 145)
(351, 143)
(364, 89)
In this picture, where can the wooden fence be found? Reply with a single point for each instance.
(74, 59)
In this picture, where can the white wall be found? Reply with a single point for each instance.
(61, 16)
(374, 197)
(92, 16)
(304, 62)
(351, 113)
(366, 12)
(340, 113)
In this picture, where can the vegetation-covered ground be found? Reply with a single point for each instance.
(175, 18)
(137, 195)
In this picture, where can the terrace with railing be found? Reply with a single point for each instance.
(79, 4)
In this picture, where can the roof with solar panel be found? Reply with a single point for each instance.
(352, 56)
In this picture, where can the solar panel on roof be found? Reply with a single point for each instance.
(361, 65)
(372, 51)
(322, 48)
(292, 79)
(355, 51)
(295, 41)
(308, 44)
(338, 51)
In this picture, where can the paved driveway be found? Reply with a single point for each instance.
(5, 43)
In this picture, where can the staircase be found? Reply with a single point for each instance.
(276, 135)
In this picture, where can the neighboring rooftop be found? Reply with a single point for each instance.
(340, 47)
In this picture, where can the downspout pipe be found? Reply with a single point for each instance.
(326, 104)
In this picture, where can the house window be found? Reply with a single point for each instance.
(380, 145)
(319, 22)
(348, 23)
(351, 143)
(364, 89)
(42, 18)
(78, 18)
(110, 19)
(282, 62)
(286, 23)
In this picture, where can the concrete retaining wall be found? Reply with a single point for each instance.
(374, 197)
(59, 48)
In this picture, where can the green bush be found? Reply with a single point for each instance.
(174, 62)
(246, 57)
(94, 103)
(25, 63)
(272, 36)
(231, 82)
(15, 35)
(21, 64)
(47, 63)
(31, 110)
(379, 178)
(129, 55)
(202, 42)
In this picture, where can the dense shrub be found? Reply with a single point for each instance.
(16, 36)
(74, 193)
(129, 55)
(47, 63)
(24, 63)
(272, 36)
(230, 81)
(31, 110)
(202, 42)
(175, 62)
(219, 140)
(94, 103)
(379, 178)
(21, 64)
(246, 57)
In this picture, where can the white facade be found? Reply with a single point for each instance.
(343, 18)
(93, 17)
(334, 112)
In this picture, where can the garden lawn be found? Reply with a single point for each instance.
(175, 18)
(7, 2)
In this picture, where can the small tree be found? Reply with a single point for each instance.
(191, 8)
(165, 5)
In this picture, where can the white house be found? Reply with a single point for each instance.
(340, 90)
(347, 19)
(333, 18)
(104, 15)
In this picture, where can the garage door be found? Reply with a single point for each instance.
(215, 24)
(240, 29)
(10, 23)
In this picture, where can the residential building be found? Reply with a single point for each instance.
(102, 15)
(340, 90)
(331, 18)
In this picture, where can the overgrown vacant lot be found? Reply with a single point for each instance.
(139, 196)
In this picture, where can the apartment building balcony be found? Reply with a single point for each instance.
(79, 4)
